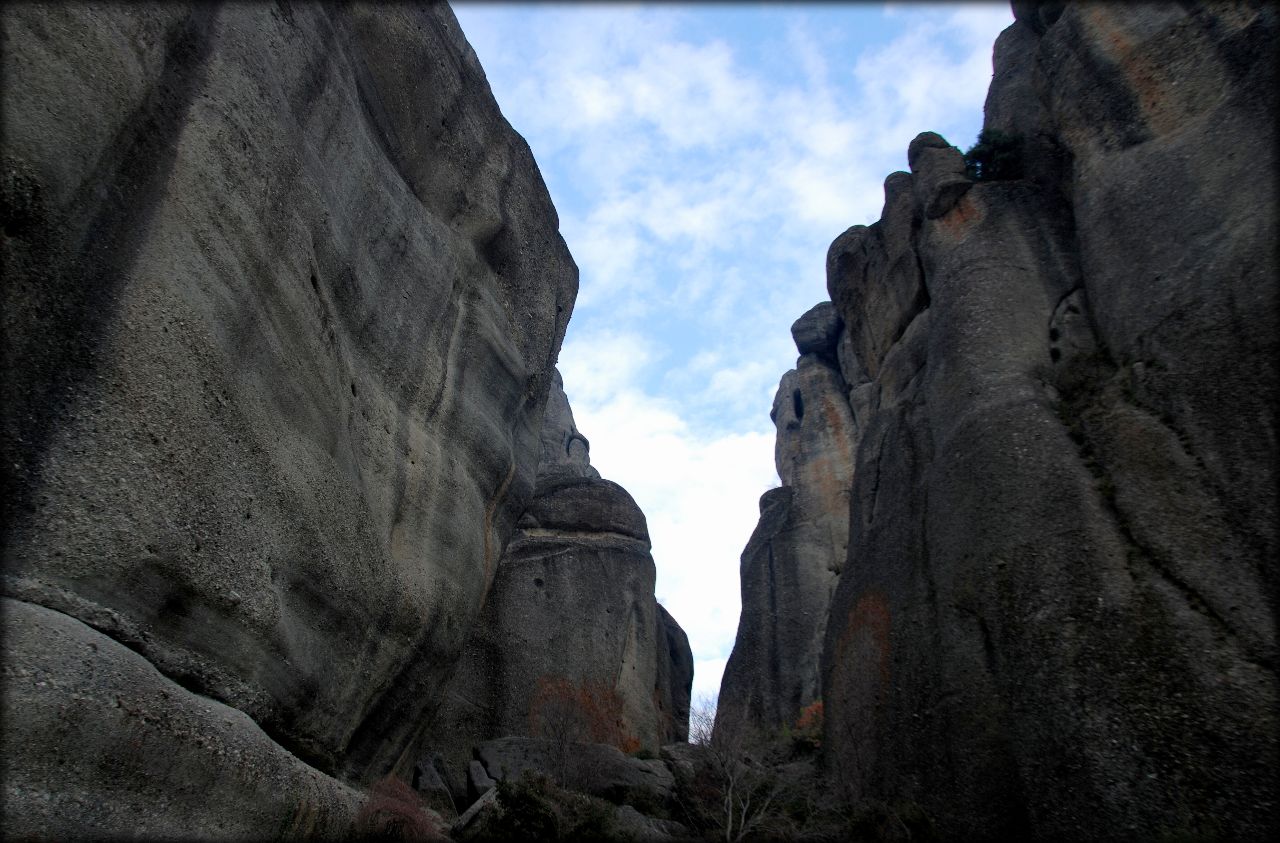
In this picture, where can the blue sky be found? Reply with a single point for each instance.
(702, 158)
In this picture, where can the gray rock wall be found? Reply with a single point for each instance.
(675, 680)
(791, 562)
(1058, 617)
(282, 298)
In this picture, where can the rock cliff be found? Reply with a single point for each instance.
(791, 562)
(1056, 616)
(1058, 613)
(283, 294)
(571, 645)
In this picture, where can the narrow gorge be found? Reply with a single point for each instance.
(297, 513)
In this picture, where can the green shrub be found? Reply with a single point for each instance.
(996, 156)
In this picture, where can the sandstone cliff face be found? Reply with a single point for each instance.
(571, 644)
(283, 296)
(1058, 615)
(791, 562)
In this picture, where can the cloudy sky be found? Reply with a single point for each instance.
(702, 158)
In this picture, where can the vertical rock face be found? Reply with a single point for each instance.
(1058, 616)
(790, 564)
(282, 298)
(571, 643)
(675, 680)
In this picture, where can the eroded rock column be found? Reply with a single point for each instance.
(791, 562)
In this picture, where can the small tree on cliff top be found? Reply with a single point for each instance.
(996, 156)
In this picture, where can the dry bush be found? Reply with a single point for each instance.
(535, 808)
(395, 811)
(736, 792)
(807, 734)
(584, 711)
(566, 713)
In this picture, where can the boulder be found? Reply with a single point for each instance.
(432, 785)
(104, 746)
(592, 768)
(680, 758)
(630, 824)
(474, 816)
(479, 782)
(938, 172)
(818, 330)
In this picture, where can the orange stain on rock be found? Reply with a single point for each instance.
(865, 641)
(1164, 107)
(961, 219)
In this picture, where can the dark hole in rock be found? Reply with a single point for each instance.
(353, 387)
(176, 605)
(1054, 334)
(799, 404)
(537, 581)
(1054, 354)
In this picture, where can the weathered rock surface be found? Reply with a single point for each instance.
(596, 769)
(564, 449)
(792, 559)
(571, 643)
(675, 679)
(283, 295)
(818, 330)
(111, 748)
(1058, 614)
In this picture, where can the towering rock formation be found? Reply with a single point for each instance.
(675, 679)
(1058, 614)
(1056, 617)
(571, 644)
(283, 294)
(790, 564)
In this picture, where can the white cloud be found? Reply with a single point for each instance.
(706, 680)
(699, 489)
(601, 364)
(931, 76)
(701, 190)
